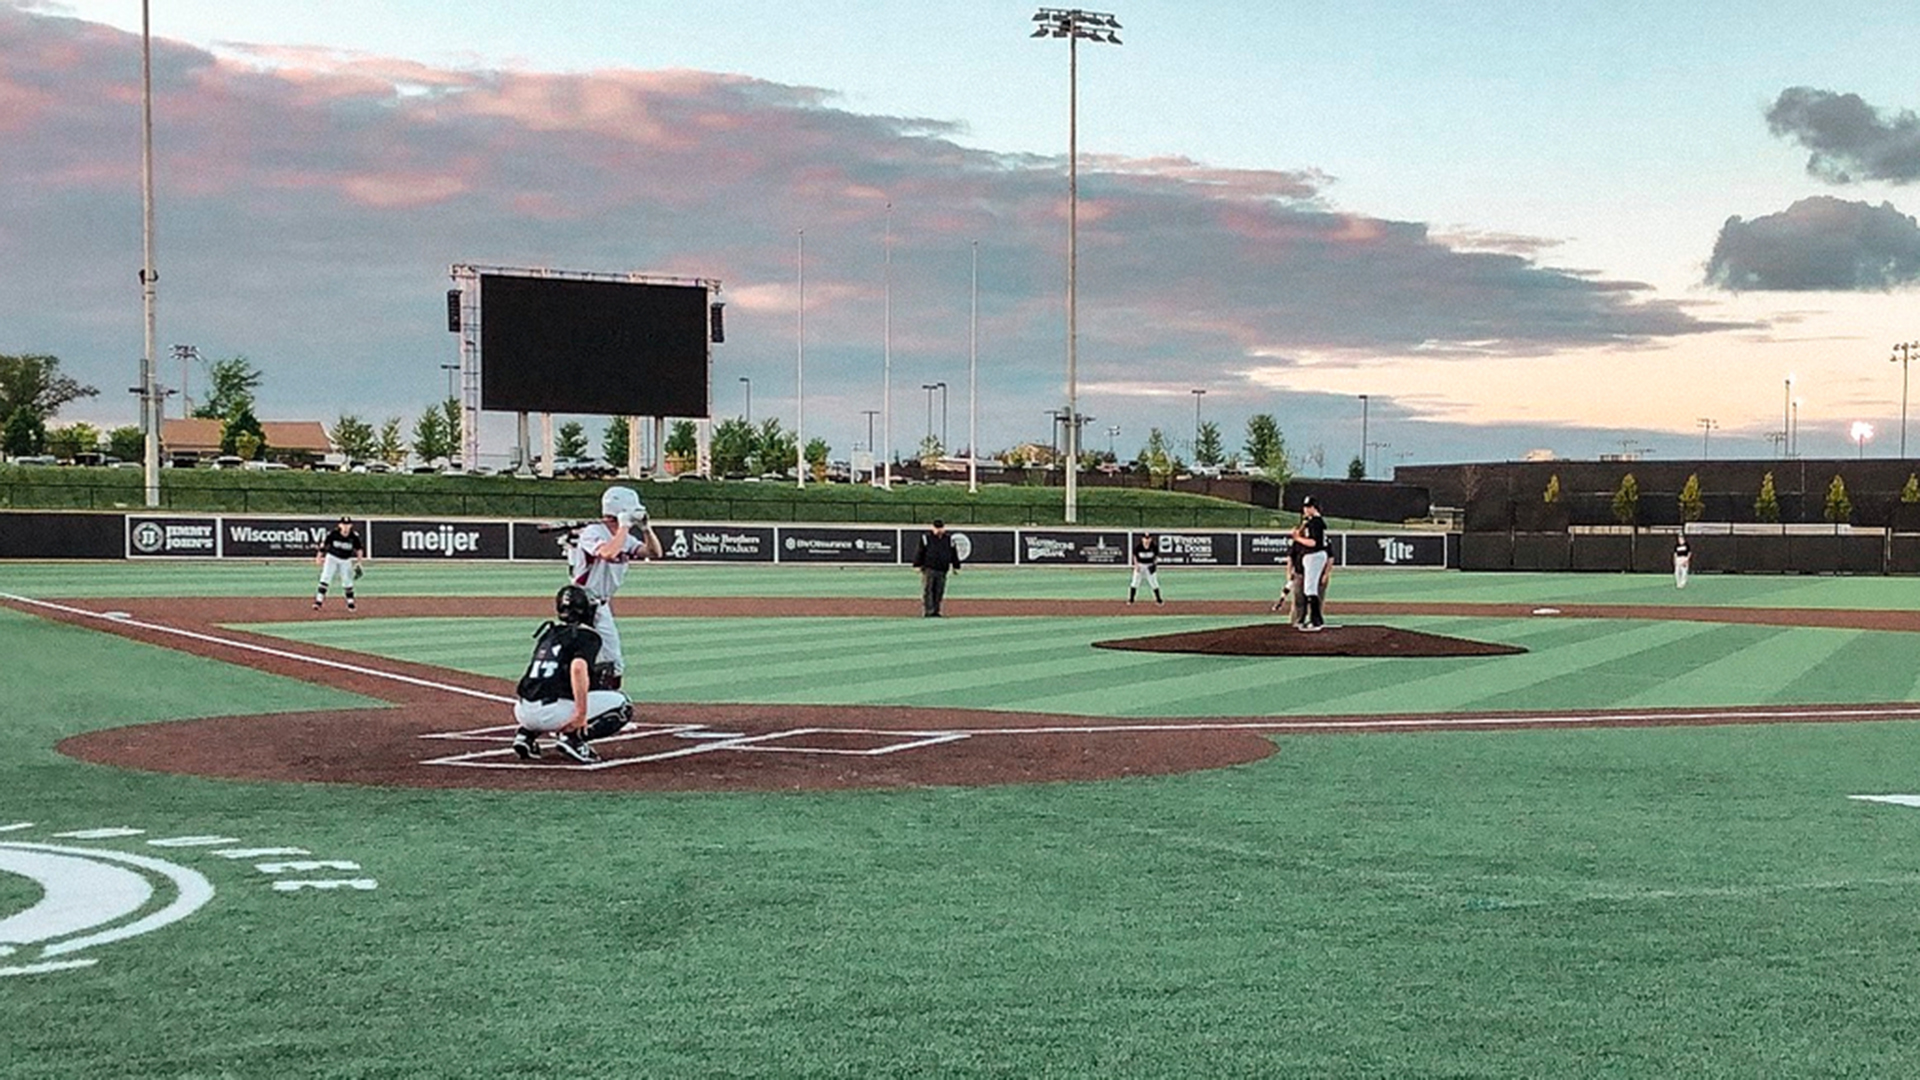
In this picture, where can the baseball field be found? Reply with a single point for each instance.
(1668, 838)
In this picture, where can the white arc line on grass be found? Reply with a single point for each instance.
(250, 647)
(80, 890)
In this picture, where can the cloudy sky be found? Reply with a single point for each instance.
(1582, 227)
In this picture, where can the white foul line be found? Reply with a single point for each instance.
(267, 650)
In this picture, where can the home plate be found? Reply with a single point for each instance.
(1897, 800)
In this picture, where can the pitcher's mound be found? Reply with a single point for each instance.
(1280, 639)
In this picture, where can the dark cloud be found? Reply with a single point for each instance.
(308, 216)
(1819, 243)
(1851, 140)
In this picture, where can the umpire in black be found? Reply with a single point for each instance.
(935, 559)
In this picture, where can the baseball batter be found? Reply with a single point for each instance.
(339, 557)
(597, 559)
(1145, 557)
(555, 695)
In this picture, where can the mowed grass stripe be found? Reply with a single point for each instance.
(1630, 663)
(1727, 664)
(1858, 666)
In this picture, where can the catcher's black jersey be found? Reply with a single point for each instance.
(560, 644)
(343, 547)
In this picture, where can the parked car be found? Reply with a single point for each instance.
(227, 461)
(37, 459)
(264, 466)
(594, 469)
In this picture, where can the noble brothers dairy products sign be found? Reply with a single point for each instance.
(172, 537)
(438, 540)
(715, 543)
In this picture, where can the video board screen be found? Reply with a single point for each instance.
(604, 348)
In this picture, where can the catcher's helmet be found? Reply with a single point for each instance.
(619, 500)
(573, 605)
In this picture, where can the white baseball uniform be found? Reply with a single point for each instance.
(602, 578)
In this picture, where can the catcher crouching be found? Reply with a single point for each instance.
(556, 695)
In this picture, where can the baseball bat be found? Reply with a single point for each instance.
(562, 526)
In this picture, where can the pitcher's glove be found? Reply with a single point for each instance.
(358, 570)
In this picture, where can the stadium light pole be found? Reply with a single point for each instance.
(1707, 424)
(1076, 26)
(1793, 431)
(452, 371)
(1197, 395)
(149, 277)
(184, 353)
(1862, 431)
(1902, 353)
(749, 383)
(929, 388)
(1363, 432)
(1112, 430)
(1786, 416)
(800, 360)
(973, 379)
(944, 448)
(886, 388)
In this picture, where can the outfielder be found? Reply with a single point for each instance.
(555, 696)
(597, 559)
(1682, 561)
(1145, 557)
(338, 557)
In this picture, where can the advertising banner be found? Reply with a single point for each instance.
(1050, 548)
(172, 537)
(438, 540)
(532, 544)
(826, 544)
(1198, 549)
(274, 538)
(976, 546)
(715, 543)
(1396, 549)
(1265, 548)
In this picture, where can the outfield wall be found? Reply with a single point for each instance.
(141, 536)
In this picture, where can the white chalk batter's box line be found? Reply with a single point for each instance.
(499, 751)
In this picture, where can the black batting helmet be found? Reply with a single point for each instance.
(573, 605)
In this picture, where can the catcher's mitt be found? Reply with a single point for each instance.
(358, 570)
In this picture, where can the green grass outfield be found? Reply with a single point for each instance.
(1629, 902)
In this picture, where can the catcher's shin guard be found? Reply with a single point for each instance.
(603, 677)
(609, 722)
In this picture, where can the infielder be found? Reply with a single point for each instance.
(1682, 561)
(1145, 557)
(555, 696)
(597, 559)
(1313, 564)
(339, 557)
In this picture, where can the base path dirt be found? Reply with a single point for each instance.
(446, 728)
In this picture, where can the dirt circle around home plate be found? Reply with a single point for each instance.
(441, 728)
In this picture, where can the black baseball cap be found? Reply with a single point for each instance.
(938, 524)
(1308, 501)
(346, 519)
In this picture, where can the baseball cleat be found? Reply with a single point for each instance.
(527, 745)
(575, 746)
